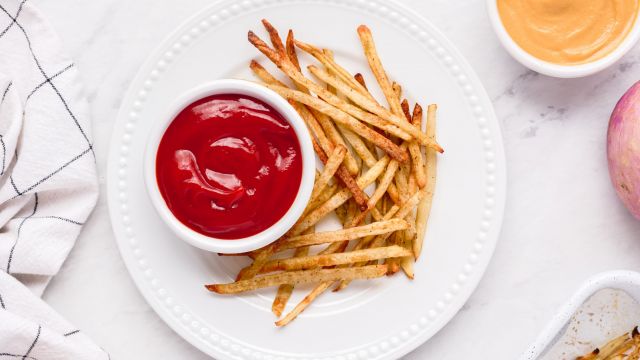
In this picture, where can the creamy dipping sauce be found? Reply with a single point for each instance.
(568, 32)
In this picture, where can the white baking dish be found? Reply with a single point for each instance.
(618, 298)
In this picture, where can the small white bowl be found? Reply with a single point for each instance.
(306, 184)
(555, 70)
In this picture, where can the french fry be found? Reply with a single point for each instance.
(402, 213)
(338, 115)
(373, 107)
(298, 277)
(306, 115)
(358, 195)
(424, 208)
(330, 168)
(376, 228)
(285, 290)
(397, 90)
(307, 262)
(369, 47)
(291, 49)
(381, 189)
(360, 79)
(624, 347)
(261, 258)
(354, 112)
(414, 150)
(339, 198)
(329, 63)
(360, 147)
(329, 128)
(319, 289)
(394, 213)
(322, 197)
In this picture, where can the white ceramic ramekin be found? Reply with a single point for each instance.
(308, 167)
(555, 70)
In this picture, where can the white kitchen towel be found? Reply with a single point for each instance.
(48, 183)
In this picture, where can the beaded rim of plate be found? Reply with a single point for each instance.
(420, 30)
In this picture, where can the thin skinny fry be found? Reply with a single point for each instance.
(424, 208)
(339, 116)
(285, 290)
(373, 107)
(319, 289)
(358, 195)
(369, 46)
(309, 119)
(289, 69)
(334, 67)
(307, 262)
(417, 161)
(376, 228)
(360, 79)
(298, 277)
(339, 198)
(330, 168)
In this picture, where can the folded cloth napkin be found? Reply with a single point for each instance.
(48, 183)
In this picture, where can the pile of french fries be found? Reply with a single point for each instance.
(625, 347)
(361, 143)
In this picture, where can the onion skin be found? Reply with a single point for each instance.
(623, 149)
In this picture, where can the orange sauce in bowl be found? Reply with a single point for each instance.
(568, 32)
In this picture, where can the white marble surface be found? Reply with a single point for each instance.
(563, 222)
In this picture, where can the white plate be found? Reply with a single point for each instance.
(381, 319)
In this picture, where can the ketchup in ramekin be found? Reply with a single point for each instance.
(229, 166)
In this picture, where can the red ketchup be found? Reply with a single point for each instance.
(229, 166)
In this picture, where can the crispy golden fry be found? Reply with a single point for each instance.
(369, 47)
(338, 115)
(285, 290)
(291, 49)
(591, 356)
(397, 90)
(330, 168)
(414, 149)
(380, 240)
(406, 263)
(381, 189)
(424, 208)
(319, 289)
(309, 119)
(299, 277)
(405, 109)
(329, 63)
(326, 124)
(376, 228)
(321, 198)
(373, 107)
(345, 108)
(626, 346)
(339, 198)
(358, 195)
(402, 213)
(358, 145)
(307, 262)
(360, 79)
(261, 258)
(264, 75)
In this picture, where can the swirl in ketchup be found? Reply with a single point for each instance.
(229, 166)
